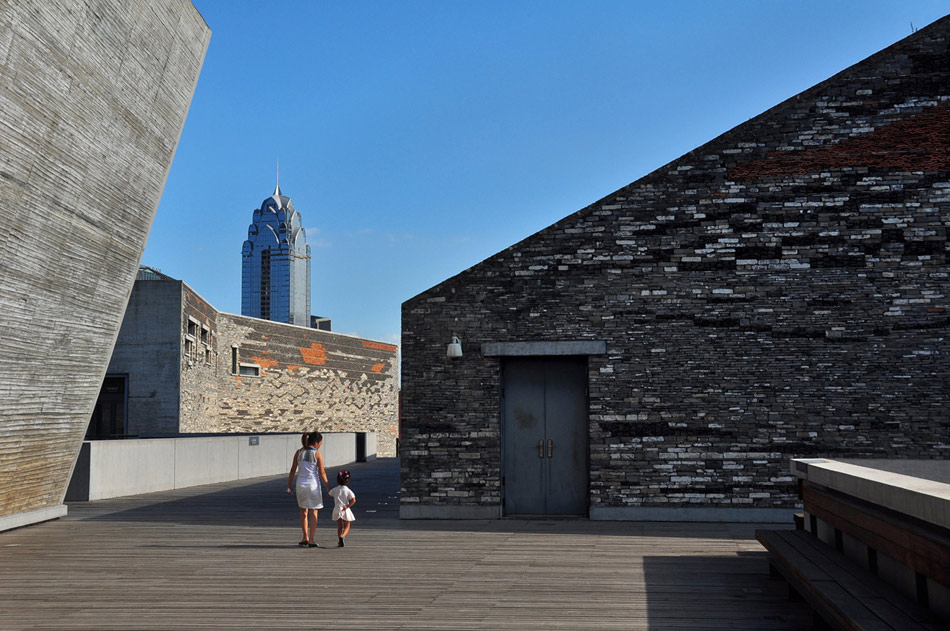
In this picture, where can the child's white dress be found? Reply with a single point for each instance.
(342, 496)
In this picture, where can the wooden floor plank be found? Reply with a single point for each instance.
(224, 556)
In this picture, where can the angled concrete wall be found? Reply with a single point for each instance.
(93, 96)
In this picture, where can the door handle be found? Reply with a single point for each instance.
(541, 448)
(550, 448)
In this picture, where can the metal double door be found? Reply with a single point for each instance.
(545, 436)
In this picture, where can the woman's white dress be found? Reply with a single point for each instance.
(309, 491)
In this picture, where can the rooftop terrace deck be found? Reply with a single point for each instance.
(225, 556)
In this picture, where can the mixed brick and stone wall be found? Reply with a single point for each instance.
(780, 291)
(93, 97)
(183, 361)
(308, 380)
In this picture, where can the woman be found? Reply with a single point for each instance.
(309, 469)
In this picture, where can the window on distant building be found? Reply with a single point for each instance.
(250, 370)
(234, 360)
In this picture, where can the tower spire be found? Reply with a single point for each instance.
(277, 188)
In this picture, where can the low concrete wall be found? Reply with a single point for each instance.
(114, 468)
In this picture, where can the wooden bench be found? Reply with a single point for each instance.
(924, 548)
(843, 594)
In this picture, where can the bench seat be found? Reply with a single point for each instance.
(842, 593)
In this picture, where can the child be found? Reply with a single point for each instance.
(343, 500)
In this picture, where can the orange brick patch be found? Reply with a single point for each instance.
(378, 368)
(264, 362)
(379, 347)
(293, 367)
(316, 354)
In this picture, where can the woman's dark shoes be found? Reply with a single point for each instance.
(311, 544)
(304, 543)
(342, 543)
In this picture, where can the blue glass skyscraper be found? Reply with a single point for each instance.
(275, 280)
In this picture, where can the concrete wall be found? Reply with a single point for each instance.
(115, 468)
(781, 290)
(149, 351)
(93, 96)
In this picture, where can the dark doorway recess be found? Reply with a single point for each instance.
(108, 417)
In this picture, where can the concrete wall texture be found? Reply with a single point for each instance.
(177, 351)
(779, 291)
(93, 96)
(150, 340)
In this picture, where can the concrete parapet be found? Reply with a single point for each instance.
(921, 498)
(115, 468)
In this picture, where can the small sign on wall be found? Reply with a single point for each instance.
(253, 440)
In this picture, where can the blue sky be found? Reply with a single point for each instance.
(417, 138)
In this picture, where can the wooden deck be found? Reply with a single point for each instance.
(225, 556)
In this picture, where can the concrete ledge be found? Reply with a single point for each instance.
(927, 500)
(518, 349)
(18, 520)
(449, 512)
(746, 515)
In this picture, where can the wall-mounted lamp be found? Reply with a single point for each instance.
(455, 347)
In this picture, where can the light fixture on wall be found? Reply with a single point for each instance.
(455, 347)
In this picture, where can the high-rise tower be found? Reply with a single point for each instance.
(275, 280)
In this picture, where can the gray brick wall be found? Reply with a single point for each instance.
(780, 291)
(93, 96)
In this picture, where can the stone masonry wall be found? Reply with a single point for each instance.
(203, 366)
(309, 380)
(778, 292)
(93, 97)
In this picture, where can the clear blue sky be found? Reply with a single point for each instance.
(417, 138)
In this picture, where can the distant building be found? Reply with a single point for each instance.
(319, 322)
(182, 367)
(275, 281)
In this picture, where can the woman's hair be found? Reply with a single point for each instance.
(343, 477)
(313, 438)
(303, 438)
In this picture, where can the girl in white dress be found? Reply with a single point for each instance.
(343, 500)
(309, 469)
